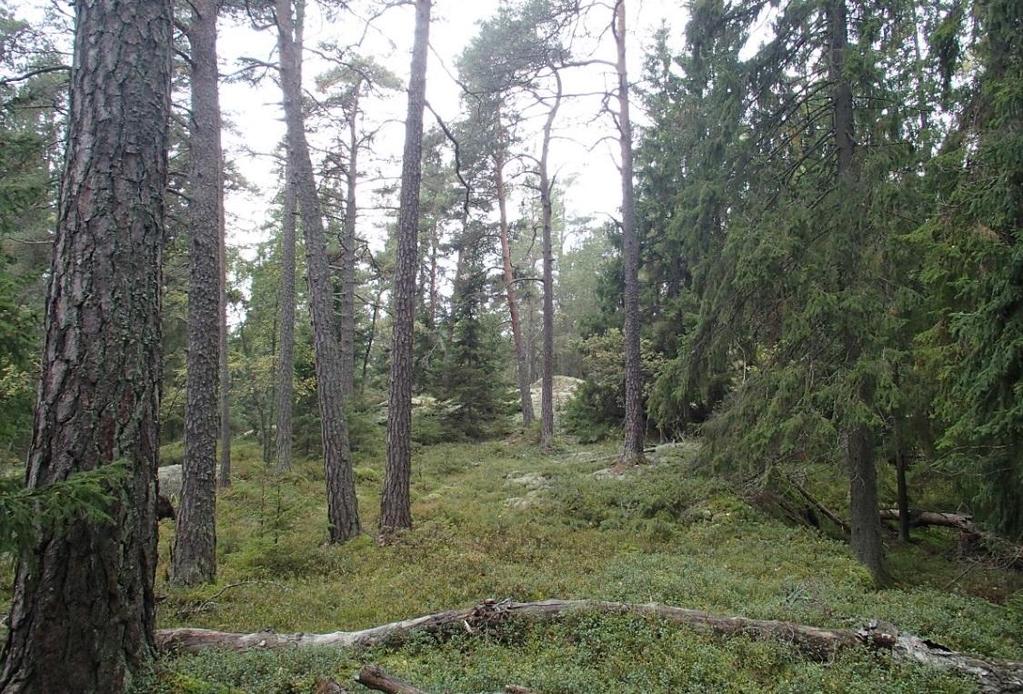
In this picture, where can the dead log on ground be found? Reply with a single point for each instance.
(376, 679)
(971, 535)
(814, 642)
(918, 519)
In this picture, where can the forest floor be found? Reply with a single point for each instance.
(497, 520)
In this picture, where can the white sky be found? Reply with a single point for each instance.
(578, 153)
(256, 113)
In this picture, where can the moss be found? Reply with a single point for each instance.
(664, 533)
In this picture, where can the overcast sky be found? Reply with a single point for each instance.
(256, 114)
(584, 160)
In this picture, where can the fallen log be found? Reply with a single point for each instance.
(918, 519)
(814, 642)
(376, 679)
(1009, 554)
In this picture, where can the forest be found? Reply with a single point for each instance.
(514, 346)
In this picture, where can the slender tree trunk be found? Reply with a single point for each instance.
(82, 612)
(864, 519)
(348, 255)
(433, 277)
(395, 504)
(286, 329)
(547, 385)
(635, 422)
(194, 559)
(521, 367)
(372, 335)
(342, 505)
(905, 522)
(225, 364)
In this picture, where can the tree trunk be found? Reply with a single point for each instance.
(348, 255)
(864, 521)
(193, 559)
(521, 366)
(342, 505)
(635, 423)
(395, 504)
(286, 328)
(547, 377)
(83, 603)
(225, 364)
(903, 496)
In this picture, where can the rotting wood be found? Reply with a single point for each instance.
(814, 642)
(375, 678)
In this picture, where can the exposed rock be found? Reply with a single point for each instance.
(530, 480)
(562, 390)
(170, 481)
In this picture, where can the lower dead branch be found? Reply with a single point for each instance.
(814, 642)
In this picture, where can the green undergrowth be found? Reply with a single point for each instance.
(499, 520)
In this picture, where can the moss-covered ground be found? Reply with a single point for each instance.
(499, 520)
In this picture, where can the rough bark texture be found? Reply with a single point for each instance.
(395, 506)
(547, 205)
(342, 505)
(286, 328)
(193, 559)
(521, 359)
(83, 604)
(348, 252)
(635, 422)
(225, 364)
(814, 642)
(864, 522)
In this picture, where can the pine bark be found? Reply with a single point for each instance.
(342, 505)
(521, 365)
(286, 327)
(635, 422)
(864, 521)
(83, 604)
(395, 503)
(547, 207)
(193, 559)
(348, 253)
(225, 364)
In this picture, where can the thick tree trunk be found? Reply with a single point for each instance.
(342, 505)
(864, 520)
(286, 328)
(547, 206)
(635, 422)
(348, 254)
(194, 557)
(860, 452)
(83, 606)
(395, 503)
(814, 642)
(521, 365)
